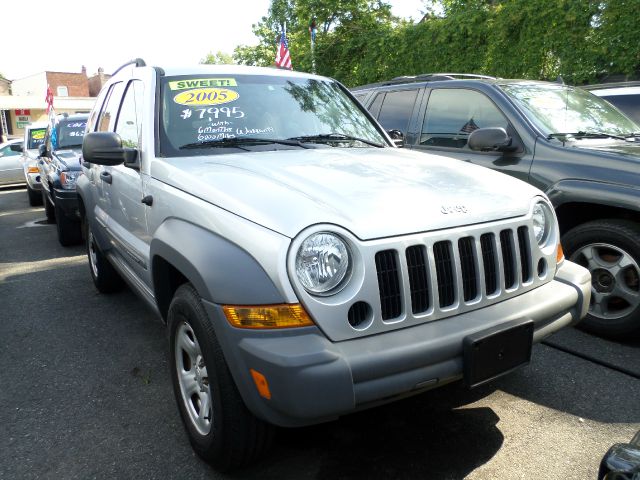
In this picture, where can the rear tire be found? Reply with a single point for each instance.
(104, 276)
(48, 208)
(35, 198)
(69, 231)
(220, 427)
(610, 249)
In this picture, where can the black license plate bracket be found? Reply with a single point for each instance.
(491, 353)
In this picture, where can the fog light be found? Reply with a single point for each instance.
(267, 316)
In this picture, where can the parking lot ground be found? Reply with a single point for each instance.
(85, 393)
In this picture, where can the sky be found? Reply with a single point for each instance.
(64, 35)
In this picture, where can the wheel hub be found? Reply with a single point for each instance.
(603, 281)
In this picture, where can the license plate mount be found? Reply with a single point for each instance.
(491, 353)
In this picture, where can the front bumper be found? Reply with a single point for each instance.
(67, 200)
(312, 379)
(33, 180)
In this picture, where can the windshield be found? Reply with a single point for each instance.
(558, 109)
(36, 137)
(70, 133)
(258, 112)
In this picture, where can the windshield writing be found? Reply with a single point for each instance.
(201, 110)
(70, 134)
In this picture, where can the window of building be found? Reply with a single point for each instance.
(62, 91)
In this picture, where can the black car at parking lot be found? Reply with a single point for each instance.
(623, 95)
(59, 166)
(576, 147)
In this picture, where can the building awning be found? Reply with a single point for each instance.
(19, 102)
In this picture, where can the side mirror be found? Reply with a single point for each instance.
(42, 150)
(491, 139)
(397, 136)
(16, 147)
(621, 461)
(105, 148)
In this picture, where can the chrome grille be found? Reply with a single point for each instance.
(446, 274)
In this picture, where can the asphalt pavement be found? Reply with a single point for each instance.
(85, 393)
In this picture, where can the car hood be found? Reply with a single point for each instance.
(70, 157)
(373, 193)
(629, 150)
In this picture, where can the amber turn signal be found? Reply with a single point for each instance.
(267, 316)
(261, 384)
(32, 170)
(559, 254)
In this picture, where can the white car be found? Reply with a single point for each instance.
(10, 167)
(34, 135)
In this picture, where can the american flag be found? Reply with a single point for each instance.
(49, 99)
(283, 59)
(469, 127)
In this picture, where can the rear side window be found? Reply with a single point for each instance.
(396, 110)
(452, 114)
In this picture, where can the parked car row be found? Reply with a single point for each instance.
(306, 268)
(50, 165)
(577, 148)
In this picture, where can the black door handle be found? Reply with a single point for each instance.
(106, 177)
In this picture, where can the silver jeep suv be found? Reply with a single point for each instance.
(304, 266)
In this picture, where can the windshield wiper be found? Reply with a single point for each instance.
(586, 135)
(239, 141)
(334, 137)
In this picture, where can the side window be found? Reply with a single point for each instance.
(93, 118)
(360, 96)
(130, 116)
(375, 105)
(107, 117)
(396, 110)
(452, 114)
(629, 104)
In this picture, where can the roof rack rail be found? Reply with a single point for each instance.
(437, 76)
(137, 61)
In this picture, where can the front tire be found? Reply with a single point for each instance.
(69, 231)
(104, 276)
(48, 208)
(34, 196)
(220, 427)
(610, 249)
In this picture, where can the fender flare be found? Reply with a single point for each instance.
(585, 191)
(222, 272)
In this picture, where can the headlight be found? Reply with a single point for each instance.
(322, 263)
(68, 179)
(542, 222)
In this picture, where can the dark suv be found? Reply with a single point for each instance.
(584, 153)
(623, 95)
(59, 166)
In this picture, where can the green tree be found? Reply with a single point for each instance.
(218, 58)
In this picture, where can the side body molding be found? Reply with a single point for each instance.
(221, 271)
(612, 194)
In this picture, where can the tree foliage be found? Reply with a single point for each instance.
(218, 58)
(359, 41)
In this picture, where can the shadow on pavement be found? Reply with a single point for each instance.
(421, 437)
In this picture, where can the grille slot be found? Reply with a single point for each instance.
(487, 243)
(445, 273)
(477, 268)
(508, 258)
(468, 268)
(418, 280)
(525, 253)
(388, 284)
